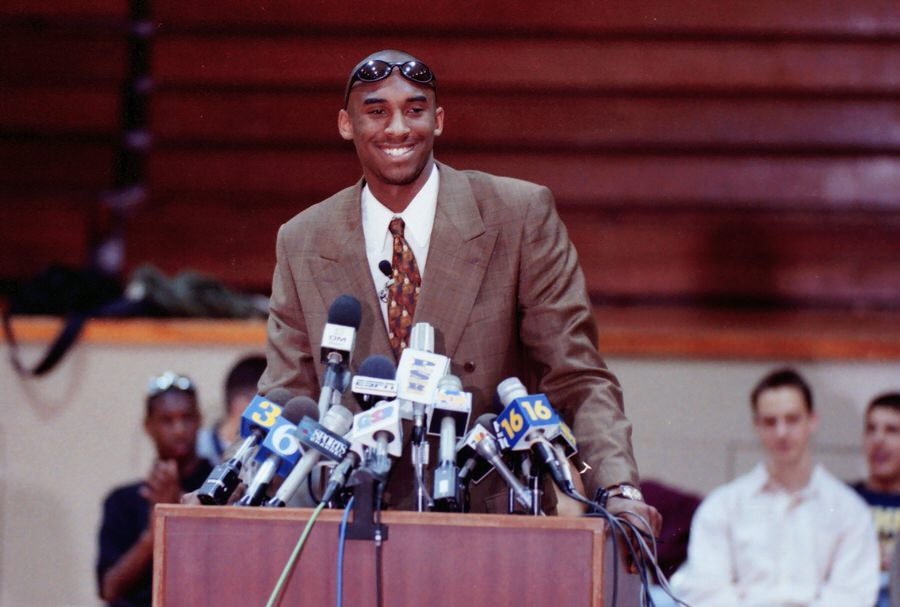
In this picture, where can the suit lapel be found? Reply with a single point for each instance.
(341, 267)
(457, 260)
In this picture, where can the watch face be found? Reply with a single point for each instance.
(632, 493)
(628, 492)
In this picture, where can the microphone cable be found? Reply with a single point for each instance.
(340, 554)
(379, 563)
(644, 557)
(289, 566)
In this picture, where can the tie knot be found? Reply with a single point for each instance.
(396, 226)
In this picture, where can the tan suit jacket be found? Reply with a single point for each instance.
(503, 290)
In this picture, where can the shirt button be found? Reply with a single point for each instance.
(469, 366)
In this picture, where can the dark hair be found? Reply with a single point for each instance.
(888, 399)
(380, 55)
(244, 374)
(779, 379)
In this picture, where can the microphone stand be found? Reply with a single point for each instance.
(419, 448)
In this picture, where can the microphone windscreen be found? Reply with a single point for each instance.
(378, 366)
(486, 420)
(345, 310)
(385, 266)
(299, 407)
(279, 396)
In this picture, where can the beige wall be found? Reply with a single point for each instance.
(67, 439)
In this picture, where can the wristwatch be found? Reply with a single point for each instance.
(625, 491)
(629, 492)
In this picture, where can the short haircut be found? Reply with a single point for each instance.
(781, 378)
(890, 400)
(166, 383)
(244, 374)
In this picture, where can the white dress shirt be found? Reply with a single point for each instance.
(755, 544)
(419, 219)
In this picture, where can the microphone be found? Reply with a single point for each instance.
(487, 448)
(225, 477)
(527, 423)
(418, 373)
(338, 339)
(474, 468)
(380, 430)
(278, 448)
(448, 418)
(374, 381)
(323, 439)
(385, 267)
(262, 411)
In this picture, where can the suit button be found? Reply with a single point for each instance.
(469, 366)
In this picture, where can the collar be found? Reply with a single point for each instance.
(762, 482)
(418, 215)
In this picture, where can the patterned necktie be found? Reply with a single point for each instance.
(402, 295)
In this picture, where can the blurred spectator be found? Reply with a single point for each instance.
(787, 533)
(124, 566)
(240, 388)
(881, 489)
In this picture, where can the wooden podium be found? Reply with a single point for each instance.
(224, 556)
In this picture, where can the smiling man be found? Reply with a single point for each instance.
(787, 534)
(485, 260)
(881, 489)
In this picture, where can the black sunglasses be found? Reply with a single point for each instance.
(376, 69)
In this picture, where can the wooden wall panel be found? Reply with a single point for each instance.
(533, 65)
(60, 54)
(703, 153)
(38, 231)
(253, 117)
(810, 17)
(61, 110)
(607, 179)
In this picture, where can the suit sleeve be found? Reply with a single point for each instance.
(558, 331)
(289, 362)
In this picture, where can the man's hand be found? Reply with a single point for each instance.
(162, 485)
(640, 514)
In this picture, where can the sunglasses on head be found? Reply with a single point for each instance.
(376, 69)
(169, 381)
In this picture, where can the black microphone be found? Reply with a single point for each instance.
(323, 439)
(225, 477)
(279, 396)
(385, 266)
(338, 338)
(374, 381)
(471, 465)
(293, 412)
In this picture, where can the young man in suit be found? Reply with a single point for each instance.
(494, 273)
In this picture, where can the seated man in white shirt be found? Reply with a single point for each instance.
(788, 533)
